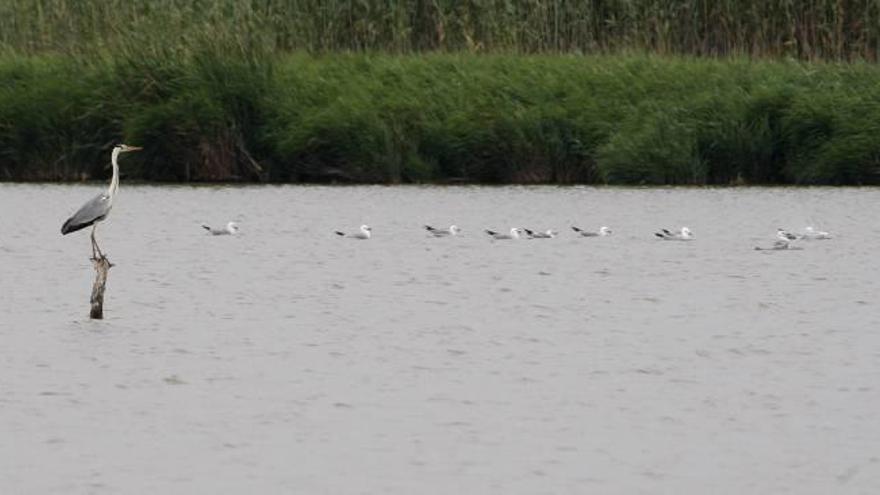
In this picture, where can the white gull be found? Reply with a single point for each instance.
(784, 235)
(514, 234)
(684, 234)
(812, 234)
(547, 234)
(451, 231)
(364, 233)
(230, 229)
(602, 232)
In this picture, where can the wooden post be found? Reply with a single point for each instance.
(102, 266)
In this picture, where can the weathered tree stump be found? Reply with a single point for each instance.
(102, 266)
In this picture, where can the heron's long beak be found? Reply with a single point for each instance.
(134, 148)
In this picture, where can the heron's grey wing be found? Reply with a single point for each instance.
(94, 210)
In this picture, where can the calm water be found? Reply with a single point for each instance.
(288, 360)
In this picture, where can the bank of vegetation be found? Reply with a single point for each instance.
(438, 91)
(804, 29)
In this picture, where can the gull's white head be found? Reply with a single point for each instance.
(604, 230)
(514, 232)
(686, 233)
(232, 227)
(454, 230)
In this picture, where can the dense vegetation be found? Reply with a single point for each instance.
(223, 90)
(807, 29)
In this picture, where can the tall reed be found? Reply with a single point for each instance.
(804, 29)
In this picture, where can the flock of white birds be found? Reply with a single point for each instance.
(785, 240)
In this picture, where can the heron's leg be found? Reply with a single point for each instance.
(95, 247)
(94, 253)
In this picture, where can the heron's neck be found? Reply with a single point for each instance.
(114, 181)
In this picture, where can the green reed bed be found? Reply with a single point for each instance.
(226, 111)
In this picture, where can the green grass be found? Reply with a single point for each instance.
(210, 111)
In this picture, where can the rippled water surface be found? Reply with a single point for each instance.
(289, 360)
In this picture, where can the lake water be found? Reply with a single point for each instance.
(289, 360)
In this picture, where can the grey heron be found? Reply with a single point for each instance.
(514, 234)
(684, 235)
(365, 232)
(230, 229)
(453, 230)
(602, 232)
(97, 208)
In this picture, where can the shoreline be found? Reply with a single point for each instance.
(425, 185)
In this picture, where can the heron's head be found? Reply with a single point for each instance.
(124, 148)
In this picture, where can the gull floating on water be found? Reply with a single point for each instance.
(784, 242)
(812, 234)
(364, 233)
(451, 231)
(684, 234)
(514, 234)
(780, 245)
(547, 234)
(784, 235)
(602, 232)
(230, 229)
